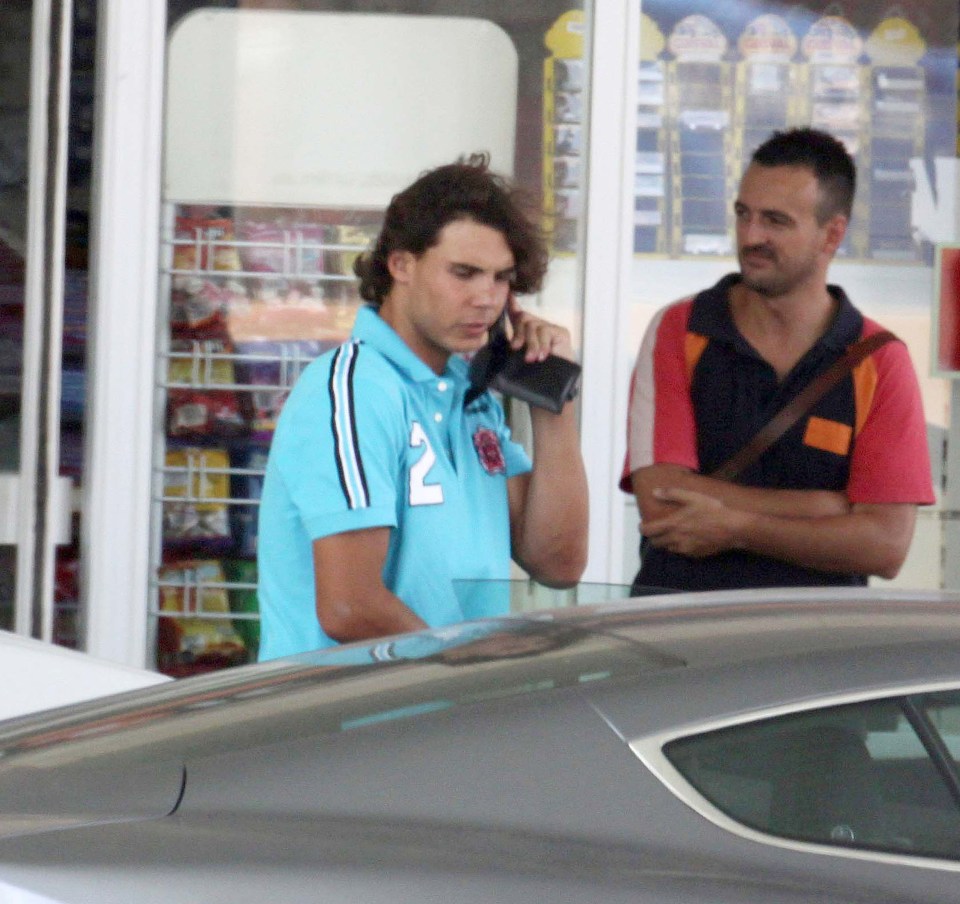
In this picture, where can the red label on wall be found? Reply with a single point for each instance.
(948, 320)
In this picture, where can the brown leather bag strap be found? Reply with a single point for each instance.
(799, 405)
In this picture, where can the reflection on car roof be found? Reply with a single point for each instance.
(402, 677)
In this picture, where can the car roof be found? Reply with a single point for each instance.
(745, 652)
(770, 647)
(455, 720)
(729, 628)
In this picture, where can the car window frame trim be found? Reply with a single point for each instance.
(649, 750)
(919, 719)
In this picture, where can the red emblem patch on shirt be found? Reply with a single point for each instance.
(489, 452)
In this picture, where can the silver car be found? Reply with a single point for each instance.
(764, 746)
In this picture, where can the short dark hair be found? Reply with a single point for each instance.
(465, 190)
(822, 154)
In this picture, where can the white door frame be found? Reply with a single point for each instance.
(125, 239)
(614, 33)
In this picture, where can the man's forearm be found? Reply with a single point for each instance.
(870, 540)
(351, 599)
(380, 614)
(552, 543)
(759, 500)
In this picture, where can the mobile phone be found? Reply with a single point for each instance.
(549, 384)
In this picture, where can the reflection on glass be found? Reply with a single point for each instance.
(520, 596)
(719, 82)
(15, 22)
(73, 377)
(8, 570)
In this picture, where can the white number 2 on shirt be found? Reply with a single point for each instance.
(422, 493)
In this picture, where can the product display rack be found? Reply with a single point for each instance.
(897, 133)
(725, 93)
(242, 319)
(766, 100)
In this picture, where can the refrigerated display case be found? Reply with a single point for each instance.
(269, 195)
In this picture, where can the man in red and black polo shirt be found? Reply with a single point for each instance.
(834, 499)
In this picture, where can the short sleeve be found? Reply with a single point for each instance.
(337, 447)
(891, 460)
(661, 428)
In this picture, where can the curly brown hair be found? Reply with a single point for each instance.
(465, 190)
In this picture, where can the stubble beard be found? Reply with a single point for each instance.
(766, 288)
(769, 287)
(776, 284)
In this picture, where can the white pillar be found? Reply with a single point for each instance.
(122, 328)
(611, 151)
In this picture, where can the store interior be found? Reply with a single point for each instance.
(253, 287)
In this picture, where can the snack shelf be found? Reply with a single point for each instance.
(203, 361)
(249, 301)
(197, 473)
(193, 588)
(213, 250)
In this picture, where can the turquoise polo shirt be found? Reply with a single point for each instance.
(370, 437)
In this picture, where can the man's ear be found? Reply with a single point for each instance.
(836, 229)
(400, 263)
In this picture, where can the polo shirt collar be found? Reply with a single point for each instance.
(711, 317)
(847, 325)
(371, 329)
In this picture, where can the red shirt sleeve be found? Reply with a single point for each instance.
(660, 421)
(891, 461)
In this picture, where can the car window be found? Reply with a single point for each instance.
(878, 775)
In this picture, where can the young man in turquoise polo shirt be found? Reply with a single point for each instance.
(388, 488)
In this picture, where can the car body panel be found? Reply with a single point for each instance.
(509, 760)
(231, 859)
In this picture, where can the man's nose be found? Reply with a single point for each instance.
(751, 231)
(489, 290)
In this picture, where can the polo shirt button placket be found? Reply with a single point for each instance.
(441, 387)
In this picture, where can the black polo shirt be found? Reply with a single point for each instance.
(734, 393)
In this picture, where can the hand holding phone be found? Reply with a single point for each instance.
(548, 383)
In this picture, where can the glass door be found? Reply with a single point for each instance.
(135, 214)
(268, 196)
(35, 499)
(712, 84)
